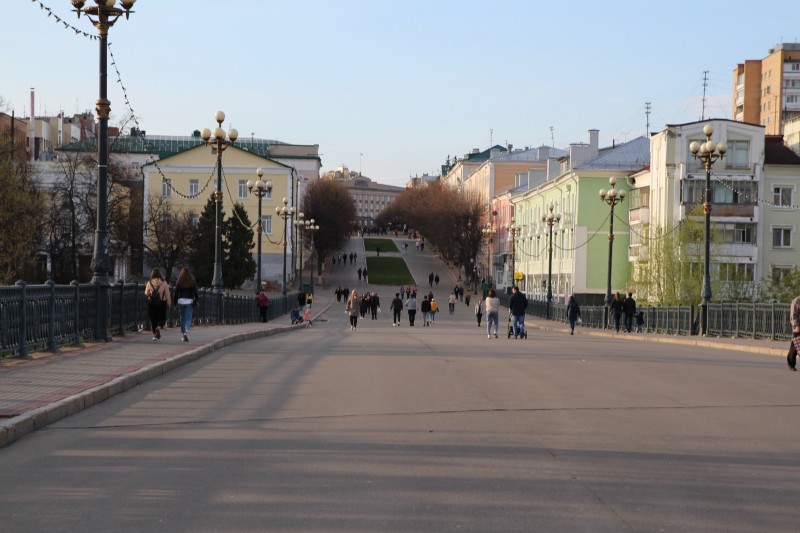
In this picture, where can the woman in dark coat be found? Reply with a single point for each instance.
(616, 309)
(573, 313)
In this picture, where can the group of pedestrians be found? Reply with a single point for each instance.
(623, 306)
(159, 300)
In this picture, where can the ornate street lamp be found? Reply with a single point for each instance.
(513, 232)
(260, 188)
(300, 224)
(550, 219)
(285, 212)
(312, 228)
(103, 16)
(612, 197)
(488, 233)
(707, 152)
(219, 143)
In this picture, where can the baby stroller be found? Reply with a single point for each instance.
(523, 334)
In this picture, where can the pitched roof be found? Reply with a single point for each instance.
(777, 153)
(632, 155)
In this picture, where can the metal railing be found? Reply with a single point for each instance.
(743, 320)
(45, 317)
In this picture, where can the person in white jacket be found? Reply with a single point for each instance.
(492, 313)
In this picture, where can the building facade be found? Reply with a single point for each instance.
(767, 91)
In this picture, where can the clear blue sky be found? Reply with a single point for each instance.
(404, 83)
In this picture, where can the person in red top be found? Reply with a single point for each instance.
(263, 305)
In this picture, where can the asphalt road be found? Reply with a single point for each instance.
(424, 429)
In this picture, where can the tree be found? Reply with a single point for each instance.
(21, 217)
(781, 288)
(169, 235)
(238, 264)
(331, 207)
(201, 255)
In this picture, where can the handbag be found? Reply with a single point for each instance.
(579, 321)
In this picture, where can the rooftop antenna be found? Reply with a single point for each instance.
(491, 137)
(647, 114)
(552, 139)
(705, 85)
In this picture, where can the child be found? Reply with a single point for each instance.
(295, 315)
(639, 321)
(307, 315)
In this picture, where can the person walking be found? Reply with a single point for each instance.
(307, 315)
(353, 309)
(794, 345)
(263, 305)
(436, 280)
(479, 311)
(518, 303)
(573, 313)
(339, 294)
(616, 310)
(158, 301)
(364, 273)
(492, 306)
(411, 305)
(430, 279)
(425, 307)
(396, 308)
(451, 303)
(186, 297)
(434, 309)
(359, 273)
(374, 305)
(629, 308)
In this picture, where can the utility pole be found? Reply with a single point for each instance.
(647, 115)
(705, 86)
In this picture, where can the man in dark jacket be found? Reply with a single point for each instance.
(396, 307)
(425, 307)
(629, 308)
(518, 304)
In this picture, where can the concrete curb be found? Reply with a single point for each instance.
(13, 429)
(704, 343)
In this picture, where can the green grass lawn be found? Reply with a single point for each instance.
(388, 271)
(387, 245)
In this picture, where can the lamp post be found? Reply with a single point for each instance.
(488, 233)
(550, 219)
(219, 142)
(312, 228)
(707, 152)
(260, 189)
(513, 232)
(103, 16)
(285, 212)
(612, 197)
(300, 224)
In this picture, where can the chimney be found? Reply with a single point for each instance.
(594, 140)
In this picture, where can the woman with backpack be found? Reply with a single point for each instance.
(158, 301)
(186, 296)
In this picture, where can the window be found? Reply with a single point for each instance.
(738, 155)
(781, 237)
(640, 198)
(796, 66)
(779, 272)
(194, 187)
(242, 189)
(791, 99)
(266, 224)
(736, 272)
(195, 221)
(166, 188)
(782, 195)
(735, 233)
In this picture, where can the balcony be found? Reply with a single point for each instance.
(641, 214)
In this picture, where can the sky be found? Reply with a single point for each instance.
(391, 89)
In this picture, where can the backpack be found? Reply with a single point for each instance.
(155, 297)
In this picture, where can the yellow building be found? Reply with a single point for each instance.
(187, 179)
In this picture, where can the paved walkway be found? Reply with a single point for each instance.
(38, 391)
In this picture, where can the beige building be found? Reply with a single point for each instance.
(767, 91)
(369, 197)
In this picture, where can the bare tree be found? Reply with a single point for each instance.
(331, 207)
(169, 235)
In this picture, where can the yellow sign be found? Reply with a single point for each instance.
(519, 275)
